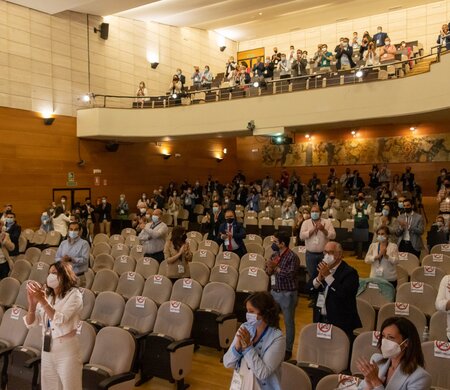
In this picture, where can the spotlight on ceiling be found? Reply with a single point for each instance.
(166, 156)
(412, 128)
(154, 65)
(222, 48)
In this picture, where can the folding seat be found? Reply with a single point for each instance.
(229, 258)
(405, 310)
(21, 270)
(28, 234)
(364, 346)
(204, 256)
(111, 361)
(419, 294)
(338, 381)
(438, 260)
(224, 273)
(91, 260)
(105, 280)
(130, 284)
(168, 219)
(23, 363)
(252, 260)
(408, 261)
(300, 251)
(169, 349)
(33, 254)
(53, 238)
(158, 288)
(441, 248)
(147, 267)
(268, 251)
(209, 245)
(21, 299)
(251, 213)
(251, 279)
(188, 291)
(193, 244)
(162, 270)
(103, 261)
(100, 237)
(39, 272)
(437, 362)
(127, 232)
(86, 336)
(9, 289)
(428, 274)
(254, 248)
(47, 256)
(108, 309)
(22, 243)
(38, 237)
(294, 378)
(348, 224)
(323, 349)
(438, 326)
(253, 238)
(268, 241)
(116, 239)
(402, 276)
(197, 236)
(132, 240)
(89, 275)
(124, 264)
(375, 295)
(215, 323)
(137, 251)
(139, 316)
(101, 248)
(119, 250)
(88, 303)
(199, 272)
(367, 315)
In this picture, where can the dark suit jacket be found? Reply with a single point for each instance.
(379, 38)
(238, 235)
(85, 213)
(14, 234)
(341, 299)
(348, 52)
(102, 211)
(213, 226)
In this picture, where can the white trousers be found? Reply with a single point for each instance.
(61, 368)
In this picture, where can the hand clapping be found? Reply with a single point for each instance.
(370, 372)
(323, 270)
(35, 293)
(243, 337)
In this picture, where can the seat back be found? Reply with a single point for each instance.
(253, 238)
(115, 349)
(100, 248)
(441, 248)
(337, 381)
(139, 314)
(367, 314)
(187, 291)
(23, 242)
(108, 308)
(332, 353)
(429, 274)
(127, 232)
(88, 303)
(89, 275)
(294, 378)
(28, 234)
(53, 238)
(124, 264)
(86, 337)
(105, 280)
(34, 339)
(252, 279)
(364, 346)
(130, 284)
(39, 237)
(218, 297)
(438, 260)
(408, 261)
(419, 294)
(136, 251)
(12, 328)
(103, 261)
(209, 245)
(48, 256)
(402, 276)
(9, 289)
(252, 260)
(373, 296)
(32, 254)
(175, 320)
(229, 258)
(21, 299)
(132, 240)
(437, 362)
(21, 270)
(119, 250)
(204, 256)
(253, 247)
(116, 239)
(147, 267)
(39, 272)
(268, 241)
(225, 274)
(438, 326)
(199, 272)
(100, 238)
(158, 288)
(402, 309)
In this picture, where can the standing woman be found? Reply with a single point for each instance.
(177, 254)
(57, 308)
(258, 348)
(60, 221)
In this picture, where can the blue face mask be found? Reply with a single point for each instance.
(385, 212)
(9, 221)
(155, 218)
(275, 247)
(215, 210)
(400, 205)
(315, 215)
(73, 234)
(252, 319)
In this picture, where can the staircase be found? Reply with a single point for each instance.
(422, 66)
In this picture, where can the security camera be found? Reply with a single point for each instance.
(251, 125)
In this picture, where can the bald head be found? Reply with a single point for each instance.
(157, 212)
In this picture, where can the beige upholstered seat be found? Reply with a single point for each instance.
(21, 299)
(101, 248)
(39, 272)
(48, 256)
(132, 240)
(187, 291)
(424, 301)
(119, 250)
(199, 272)
(408, 261)
(333, 381)
(147, 267)
(225, 274)
(415, 315)
(294, 378)
(38, 237)
(139, 315)
(116, 239)
(367, 314)
(252, 260)
(89, 275)
(103, 261)
(88, 303)
(209, 245)
(204, 256)
(9, 288)
(441, 248)
(253, 238)
(105, 280)
(429, 274)
(12, 328)
(128, 232)
(374, 297)
(253, 247)
(21, 270)
(53, 238)
(438, 326)
(124, 264)
(86, 336)
(364, 346)
(130, 284)
(100, 237)
(229, 258)
(158, 288)
(137, 251)
(32, 254)
(438, 260)
(108, 309)
(437, 367)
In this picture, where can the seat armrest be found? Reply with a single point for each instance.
(33, 361)
(116, 379)
(179, 344)
(95, 323)
(208, 311)
(222, 318)
(6, 351)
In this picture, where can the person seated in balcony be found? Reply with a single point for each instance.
(371, 56)
(284, 67)
(387, 52)
(380, 37)
(299, 64)
(196, 78)
(325, 59)
(276, 56)
(141, 93)
(344, 56)
(444, 38)
(230, 66)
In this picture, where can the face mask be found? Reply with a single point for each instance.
(379, 30)
(215, 210)
(400, 205)
(63, 201)
(73, 234)
(143, 210)
(328, 259)
(345, 44)
(155, 218)
(122, 198)
(390, 349)
(447, 186)
(104, 201)
(275, 247)
(230, 220)
(52, 281)
(315, 215)
(252, 319)
(332, 197)
(387, 43)
(226, 200)
(385, 213)
(9, 220)
(408, 209)
(381, 238)
(324, 49)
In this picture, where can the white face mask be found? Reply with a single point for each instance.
(390, 349)
(52, 281)
(252, 319)
(328, 259)
(381, 238)
(143, 210)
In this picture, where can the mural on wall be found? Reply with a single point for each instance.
(430, 148)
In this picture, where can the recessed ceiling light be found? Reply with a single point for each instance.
(260, 13)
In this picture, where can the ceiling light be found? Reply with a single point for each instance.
(260, 13)
(225, 150)
(222, 48)
(86, 98)
(412, 128)
(307, 136)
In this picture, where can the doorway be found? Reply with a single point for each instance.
(73, 195)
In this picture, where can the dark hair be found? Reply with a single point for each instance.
(65, 274)
(178, 236)
(385, 229)
(11, 213)
(413, 356)
(283, 237)
(75, 223)
(58, 211)
(267, 306)
(407, 200)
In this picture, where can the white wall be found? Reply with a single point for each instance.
(44, 58)
(421, 23)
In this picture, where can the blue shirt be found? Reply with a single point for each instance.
(78, 250)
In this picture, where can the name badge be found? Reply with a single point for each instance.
(236, 381)
(320, 301)
(273, 280)
(315, 240)
(360, 214)
(180, 268)
(379, 272)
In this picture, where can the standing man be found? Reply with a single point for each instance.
(77, 249)
(153, 237)
(213, 220)
(104, 211)
(232, 235)
(88, 214)
(282, 269)
(335, 287)
(410, 229)
(6, 246)
(14, 230)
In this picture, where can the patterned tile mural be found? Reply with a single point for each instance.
(430, 148)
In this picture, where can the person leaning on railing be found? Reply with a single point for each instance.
(444, 37)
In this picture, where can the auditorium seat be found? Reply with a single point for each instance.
(86, 337)
(294, 378)
(188, 291)
(21, 270)
(124, 263)
(139, 316)
(209, 245)
(104, 280)
(52, 239)
(437, 366)
(108, 309)
(252, 260)
(338, 381)
(415, 315)
(438, 260)
(204, 256)
(136, 251)
(130, 284)
(373, 294)
(119, 250)
(367, 315)
(32, 254)
(224, 273)
(88, 303)
(441, 248)
(199, 272)
(158, 288)
(169, 349)
(103, 261)
(39, 272)
(229, 258)
(215, 323)
(268, 241)
(9, 289)
(402, 276)
(28, 234)
(253, 238)
(127, 232)
(101, 248)
(48, 256)
(21, 299)
(197, 236)
(431, 275)
(364, 346)
(38, 237)
(254, 248)
(116, 239)
(425, 300)
(438, 326)
(146, 267)
(23, 242)
(131, 240)
(89, 275)
(100, 237)
(111, 360)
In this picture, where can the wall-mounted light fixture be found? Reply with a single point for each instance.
(222, 48)
(103, 29)
(166, 156)
(48, 118)
(154, 65)
(219, 159)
